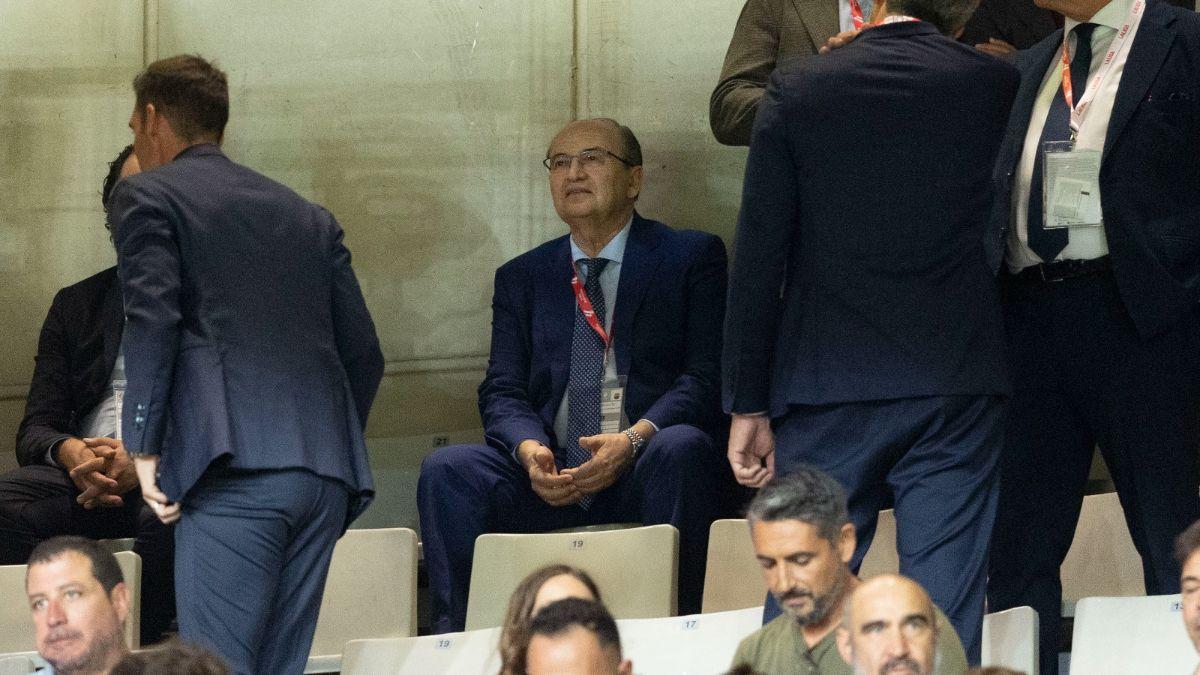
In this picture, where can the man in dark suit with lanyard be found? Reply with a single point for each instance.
(1098, 224)
(251, 363)
(600, 402)
(863, 333)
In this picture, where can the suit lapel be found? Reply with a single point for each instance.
(1146, 56)
(638, 266)
(554, 307)
(819, 18)
(113, 323)
(1033, 71)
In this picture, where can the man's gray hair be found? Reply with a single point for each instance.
(806, 494)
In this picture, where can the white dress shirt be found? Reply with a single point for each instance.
(1083, 242)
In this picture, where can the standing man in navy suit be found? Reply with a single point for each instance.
(251, 363)
(600, 401)
(1101, 293)
(863, 333)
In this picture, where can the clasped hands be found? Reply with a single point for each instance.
(103, 471)
(100, 468)
(611, 456)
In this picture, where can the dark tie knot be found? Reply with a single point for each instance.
(1083, 37)
(592, 267)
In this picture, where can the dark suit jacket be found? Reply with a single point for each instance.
(1020, 23)
(246, 334)
(866, 199)
(666, 332)
(1150, 167)
(76, 352)
(768, 32)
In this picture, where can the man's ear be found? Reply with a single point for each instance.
(847, 541)
(843, 645)
(150, 119)
(635, 182)
(626, 667)
(119, 597)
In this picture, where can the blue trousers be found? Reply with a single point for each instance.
(937, 457)
(468, 490)
(1082, 377)
(251, 554)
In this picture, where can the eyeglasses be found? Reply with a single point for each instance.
(592, 158)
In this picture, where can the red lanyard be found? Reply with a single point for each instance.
(856, 15)
(585, 306)
(1123, 37)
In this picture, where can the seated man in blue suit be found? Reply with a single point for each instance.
(601, 395)
(864, 333)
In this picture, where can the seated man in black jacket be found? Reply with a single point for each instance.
(75, 476)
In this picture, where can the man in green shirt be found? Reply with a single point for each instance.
(803, 539)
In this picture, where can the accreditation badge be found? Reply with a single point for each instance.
(1072, 186)
(612, 407)
(612, 403)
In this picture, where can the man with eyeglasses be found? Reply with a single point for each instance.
(600, 401)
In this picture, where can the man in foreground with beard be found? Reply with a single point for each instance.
(803, 539)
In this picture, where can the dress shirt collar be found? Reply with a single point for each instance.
(613, 251)
(1112, 16)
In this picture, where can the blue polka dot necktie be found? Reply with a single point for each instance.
(587, 372)
(1049, 243)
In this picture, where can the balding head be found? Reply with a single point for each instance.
(889, 626)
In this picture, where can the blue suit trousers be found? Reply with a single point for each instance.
(936, 458)
(251, 554)
(468, 490)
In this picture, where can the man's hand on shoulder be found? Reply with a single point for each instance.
(838, 41)
(556, 489)
(998, 48)
(611, 456)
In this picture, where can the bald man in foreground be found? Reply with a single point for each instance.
(889, 626)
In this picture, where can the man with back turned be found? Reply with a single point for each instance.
(863, 333)
(251, 363)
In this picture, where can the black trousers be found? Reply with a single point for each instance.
(1082, 377)
(37, 502)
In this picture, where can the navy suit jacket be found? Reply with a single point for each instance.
(666, 333)
(859, 270)
(75, 356)
(246, 335)
(1149, 171)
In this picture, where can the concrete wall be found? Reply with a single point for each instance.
(420, 124)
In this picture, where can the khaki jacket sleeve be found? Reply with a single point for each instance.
(748, 65)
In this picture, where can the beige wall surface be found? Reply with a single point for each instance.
(420, 124)
(65, 69)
